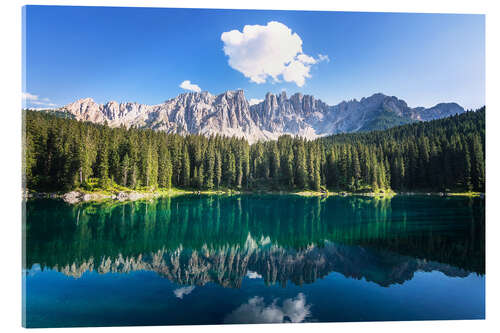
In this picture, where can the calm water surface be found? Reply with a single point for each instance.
(253, 259)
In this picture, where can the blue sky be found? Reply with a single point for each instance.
(144, 54)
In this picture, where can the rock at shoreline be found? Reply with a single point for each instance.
(122, 196)
(135, 196)
(87, 197)
(72, 197)
(76, 197)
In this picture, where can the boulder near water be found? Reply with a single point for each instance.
(72, 197)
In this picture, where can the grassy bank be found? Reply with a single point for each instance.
(93, 187)
(94, 191)
(465, 194)
(378, 194)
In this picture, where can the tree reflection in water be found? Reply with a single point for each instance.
(193, 240)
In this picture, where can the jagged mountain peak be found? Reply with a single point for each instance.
(379, 98)
(229, 113)
(447, 104)
(233, 95)
(86, 100)
(237, 92)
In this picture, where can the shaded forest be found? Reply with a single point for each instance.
(441, 155)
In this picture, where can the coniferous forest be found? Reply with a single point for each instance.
(442, 155)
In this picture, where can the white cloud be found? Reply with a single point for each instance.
(42, 103)
(271, 51)
(42, 108)
(181, 292)
(187, 85)
(33, 99)
(253, 275)
(29, 97)
(253, 101)
(256, 311)
(296, 72)
(323, 57)
(305, 59)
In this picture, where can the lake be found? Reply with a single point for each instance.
(253, 259)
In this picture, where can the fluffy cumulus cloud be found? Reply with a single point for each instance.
(268, 51)
(183, 291)
(187, 85)
(255, 311)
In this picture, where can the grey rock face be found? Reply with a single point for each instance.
(440, 110)
(230, 114)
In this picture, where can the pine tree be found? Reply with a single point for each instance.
(186, 167)
(317, 175)
(286, 166)
(478, 178)
(168, 171)
(300, 178)
(218, 169)
(274, 166)
(356, 169)
(210, 168)
(239, 173)
(102, 162)
(230, 171)
(246, 165)
(114, 164)
(467, 181)
(125, 165)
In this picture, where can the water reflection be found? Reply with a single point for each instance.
(193, 240)
(183, 291)
(256, 311)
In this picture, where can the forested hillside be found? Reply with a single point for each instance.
(446, 154)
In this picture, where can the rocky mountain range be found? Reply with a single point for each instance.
(231, 114)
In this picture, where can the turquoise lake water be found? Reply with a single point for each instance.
(253, 259)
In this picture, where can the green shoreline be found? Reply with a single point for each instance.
(79, 195)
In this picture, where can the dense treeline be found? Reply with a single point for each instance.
(446, 154)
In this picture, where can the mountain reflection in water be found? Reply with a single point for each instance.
(194, 240)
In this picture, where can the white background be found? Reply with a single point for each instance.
(10, 157)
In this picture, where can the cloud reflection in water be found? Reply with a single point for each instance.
(256, 311)
(181, 292)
